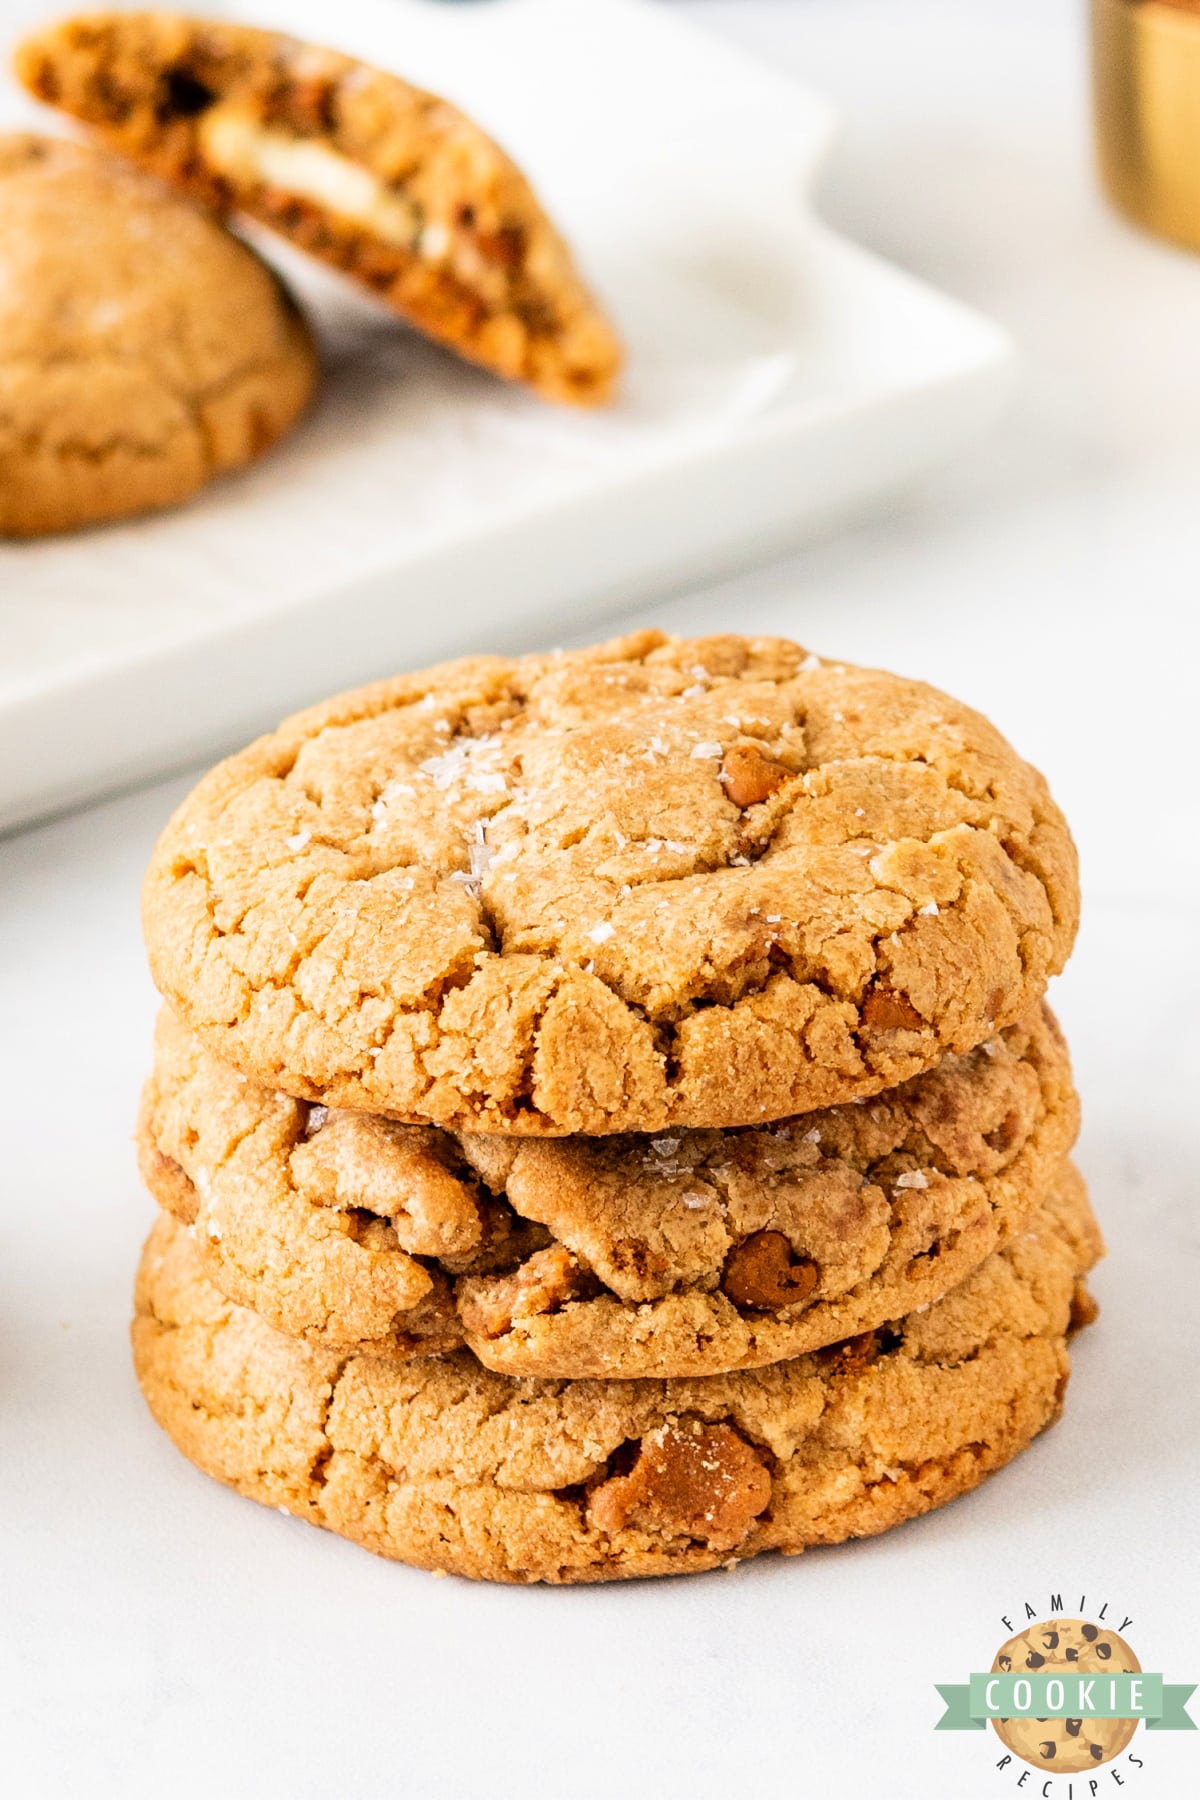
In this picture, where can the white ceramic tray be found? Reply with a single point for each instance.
(779, 379)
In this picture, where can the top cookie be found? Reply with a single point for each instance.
(657, 882)
(382, 181)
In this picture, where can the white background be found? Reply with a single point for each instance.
(161, 1636)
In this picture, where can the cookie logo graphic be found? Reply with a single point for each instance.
(1076, 1647)
(1065, 1696)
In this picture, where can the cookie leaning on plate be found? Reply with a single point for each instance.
(657, 883)
(690, 1254)
(389, 184)
(143, 350)
(448, 1466)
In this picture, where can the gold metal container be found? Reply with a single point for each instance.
(1146, 73)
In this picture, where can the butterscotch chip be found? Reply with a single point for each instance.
(689, 1480)
(515, 896)
(888, 1011)
(763, 1272)
(143, 350)
(748, 776)
(688, 1253)
(384, 182)
(446, 1465)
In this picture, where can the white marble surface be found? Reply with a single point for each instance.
(158, 1635)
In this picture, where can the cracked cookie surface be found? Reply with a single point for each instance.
(688, 1254)
(390, 185)
(449, 1466)
(143, 350)
(656, 883)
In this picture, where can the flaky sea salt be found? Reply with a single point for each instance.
(300, 841)
(601, 933)
(478, 858)
(453, 764)
(912, 1179)
(929, 910)
(708, 748)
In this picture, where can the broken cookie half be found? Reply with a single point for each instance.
(389, 184)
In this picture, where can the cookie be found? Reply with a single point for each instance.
(692, 1254)
(1066, 1746)
(143, 350)
(449, 1466)
(654, 884)
(390, 185)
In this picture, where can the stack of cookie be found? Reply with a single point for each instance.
(605, 1115)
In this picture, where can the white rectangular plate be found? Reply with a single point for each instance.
(779, 378)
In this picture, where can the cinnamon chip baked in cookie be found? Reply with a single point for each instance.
(654, 884)
(689, 1254)
(448, 1466)
(143, 350)
(391, 185)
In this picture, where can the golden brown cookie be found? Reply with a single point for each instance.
(143, 350)
(1066, 1746)
(389, 184)
(689, 1254)
(654, 884)
(449, 1466)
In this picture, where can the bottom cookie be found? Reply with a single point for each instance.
(448, 1466)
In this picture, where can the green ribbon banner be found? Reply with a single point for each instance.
(1065, 1694)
